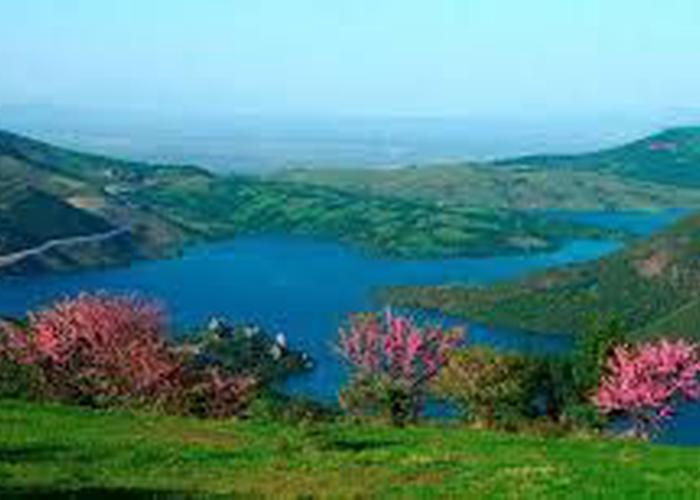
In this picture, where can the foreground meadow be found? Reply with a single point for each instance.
(54, 451)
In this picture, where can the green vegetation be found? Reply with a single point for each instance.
(52, 449)
(215, 207)
(670, 157)
(29, 218)
(440, 211)
(52, 194)
(656, 172)
(504, 187)
(166, 207)
(652, 287)
(491, 388)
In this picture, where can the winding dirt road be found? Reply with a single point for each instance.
(13, 258)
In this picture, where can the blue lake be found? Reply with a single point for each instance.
(300, 287)
(305, 289)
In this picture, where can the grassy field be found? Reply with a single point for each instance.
(51, 450)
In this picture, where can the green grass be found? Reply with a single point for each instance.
(51, 449)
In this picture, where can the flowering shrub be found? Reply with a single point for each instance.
(644, 381)
(393, 361)
(103, 349)
(106, 350)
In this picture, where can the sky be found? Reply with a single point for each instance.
(473, 58)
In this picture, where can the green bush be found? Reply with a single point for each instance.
(492, 388)
(562, 399)
(379, 396)
(592, 349)
(566, 383)
(17, 380)
(20, 381)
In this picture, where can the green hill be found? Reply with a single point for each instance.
(166, 207)
(49, 451)
(658, 172)
(441, 211)
(653, 286)
(51, 194)
(377, 224)
(671, 157)
(29, 217)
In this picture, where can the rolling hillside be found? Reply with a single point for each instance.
(442, 211)
(29, 217)
(671, 157)
(166, 207)
(50, 194)
(662, 171)
(653, 286)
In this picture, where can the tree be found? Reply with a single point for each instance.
(644, 382)
(104, 350)
(101, 348)
(393, 360)
(492, 388)
(592, 350)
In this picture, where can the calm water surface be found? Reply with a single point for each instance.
(305, 289)
(300, 287)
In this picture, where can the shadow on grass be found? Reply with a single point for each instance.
(358, 445)
(25, 454)
(8, 493)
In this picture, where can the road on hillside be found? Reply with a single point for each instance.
(13, 258)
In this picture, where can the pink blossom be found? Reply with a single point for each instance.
(395, 346)
(645, 381)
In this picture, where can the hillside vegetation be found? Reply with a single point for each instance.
(442, 211)
(670, 157)
(653, 287)
(48, 450)
(378, 224)
(29, 217)
(656, 172)
(166, 207)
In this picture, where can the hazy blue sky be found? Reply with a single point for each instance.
(513, 58)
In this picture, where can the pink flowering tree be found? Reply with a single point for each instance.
(392, 361)
(104, 348)
(107, 350)
(644, 382)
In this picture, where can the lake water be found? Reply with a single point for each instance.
(305, 289)
(301, 287)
